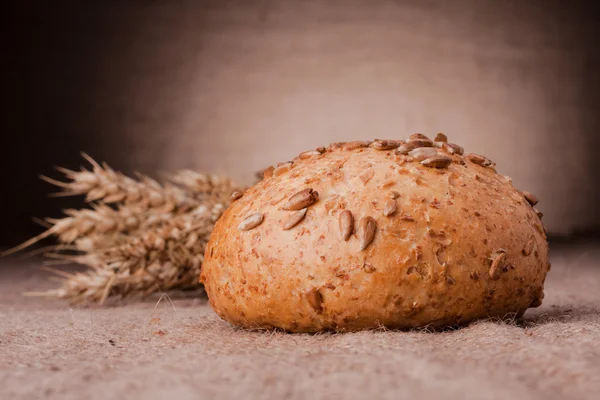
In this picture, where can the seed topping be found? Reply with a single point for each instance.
(268, 172)
(421, 142)
(423, 153)
(437, 161)
(346, 221)
(281, 168)
(302, 199)
(479, 160)
(440, 137)
(366, 231)
(385, 144)
(418, 136)
(294, 219)
(251, 222)
(308, 154)
(530, 197)
(528, 248)
(452, 148)
(390, 207)
(405, 148)
(355, 145)
(497, 260)
(235, 195)
(367, 175)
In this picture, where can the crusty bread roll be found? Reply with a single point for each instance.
(359, 235)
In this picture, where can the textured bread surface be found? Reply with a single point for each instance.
(429, 243)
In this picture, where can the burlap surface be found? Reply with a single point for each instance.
(48, 350)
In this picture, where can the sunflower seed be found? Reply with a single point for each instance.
(389, 208)
(405, 148)
(479, 160)
(367, 175)
(540, 228)
(281, 168)
(440, 137)
(452, 148)
(267, 173)
(251, 222)
(474, 275)
(437, 161)
(530, 197)
(421, 142)
(315, 300)
(356, 145)
(303, 198)
(294, 219)
(457, 149)
(394, 194)
(308, 154)
(497, 260)
(366, 231)
(336, 145)
(385, 144)
(418, 136)
(346, 221)
(235, 195)
(528, 248)
(423, 153)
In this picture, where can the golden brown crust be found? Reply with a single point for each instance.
(461, 243)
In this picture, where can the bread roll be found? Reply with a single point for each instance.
(360, 235)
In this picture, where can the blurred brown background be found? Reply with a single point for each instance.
(233, 86)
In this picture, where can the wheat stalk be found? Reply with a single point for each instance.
(104, 184)
(167, 257)
(138, 236)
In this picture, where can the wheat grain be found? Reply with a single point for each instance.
(166, 257)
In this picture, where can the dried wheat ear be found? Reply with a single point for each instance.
(138, 237)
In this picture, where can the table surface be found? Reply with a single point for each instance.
(182, 350)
